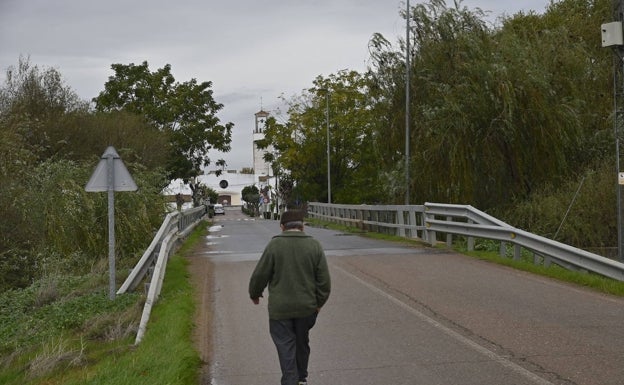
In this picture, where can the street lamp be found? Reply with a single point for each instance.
(328, 152)
(407, 105)
(328, 158)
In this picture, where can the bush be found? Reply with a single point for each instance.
(592, 218)
(61, 228)
(50, 144)
(55, 305)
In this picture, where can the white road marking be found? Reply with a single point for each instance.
(451, 333)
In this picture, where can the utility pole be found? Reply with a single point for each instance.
(326, 91)
(618, 100)
(329, 200)
(407, 104)
(612, 36)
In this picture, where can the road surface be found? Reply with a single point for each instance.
(406, 315)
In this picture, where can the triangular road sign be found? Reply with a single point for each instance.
(122, 181)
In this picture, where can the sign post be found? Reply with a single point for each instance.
(111, 175)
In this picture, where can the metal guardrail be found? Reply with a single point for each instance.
(404, 221)
(432, 218)
(183, 222)
(176, 225)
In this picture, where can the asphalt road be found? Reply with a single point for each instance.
(411, 315)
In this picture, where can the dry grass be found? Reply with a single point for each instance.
(54, 355)
(113, 327)
(47, 293)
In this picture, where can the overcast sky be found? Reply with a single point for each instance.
(252, 51)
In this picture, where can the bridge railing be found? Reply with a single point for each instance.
(404, 221)
(176, 225)
(426, 221)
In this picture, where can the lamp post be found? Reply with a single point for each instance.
(407, 105)
(328, 150)
(328, 153)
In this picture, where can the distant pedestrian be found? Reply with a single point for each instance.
(179, 201)
(294, 268)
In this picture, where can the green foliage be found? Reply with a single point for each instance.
(37, 94)
(65, 330)
(500, 114)
(496, 111)
(570, 209)
(49, 146)
(48, 120)
(301, 144)
(596, 282)
(209, 194)
(81, 136)
(52, 307)
(251, 196)
(186, 112)
(70, 224)
(501, 111)
(31, 100)
(17, 264)
(285, 191)
(169, 331)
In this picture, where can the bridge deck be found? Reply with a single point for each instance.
(417, 316)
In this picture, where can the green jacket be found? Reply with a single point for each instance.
(294, 267)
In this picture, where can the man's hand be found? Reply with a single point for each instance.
(255, 300)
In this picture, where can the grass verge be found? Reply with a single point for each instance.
(70, 356)
(586, 279)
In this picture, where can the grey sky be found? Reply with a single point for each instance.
(251, 50)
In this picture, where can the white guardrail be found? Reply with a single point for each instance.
(177, 225)
(425, 221)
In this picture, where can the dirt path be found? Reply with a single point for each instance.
(201, 270)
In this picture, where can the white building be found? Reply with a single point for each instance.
(260, 166)
(233, 180)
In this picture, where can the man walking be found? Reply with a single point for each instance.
(294, 267)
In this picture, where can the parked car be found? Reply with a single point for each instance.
(218, 209)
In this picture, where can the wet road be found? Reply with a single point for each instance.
(412, 315)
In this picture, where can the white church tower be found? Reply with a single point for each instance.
(260, 166)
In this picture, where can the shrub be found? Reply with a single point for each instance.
(591, 219)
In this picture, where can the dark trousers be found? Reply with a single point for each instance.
(293, 346)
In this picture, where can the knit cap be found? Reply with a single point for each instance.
(292, 216)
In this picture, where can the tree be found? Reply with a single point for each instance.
(33, 101)
(251, 196)
(49, 145)
(207, 193)
(37, 93)
(284, 191)
(185, 111)
(301, 143)
(495, 112)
